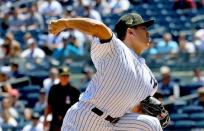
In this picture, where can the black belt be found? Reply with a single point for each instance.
(108, 118)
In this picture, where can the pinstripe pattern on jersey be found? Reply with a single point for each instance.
(121, 80)
(137, 122)
(80, 118)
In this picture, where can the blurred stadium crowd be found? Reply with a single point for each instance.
(30, 56)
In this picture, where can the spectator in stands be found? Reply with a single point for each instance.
(53, 79)
(3, 77)
(152, 52)
(166, 84)
(81, 39)
(186, 47)
(70, 48)
(199, 34)
(48, 43)
(5, 52)
(34, 20)
(11, 48)
(102, 7)
(27, 116)
(16, 22)
(167, 46)
(7, 88)
(200, 100)
(41, 103)
(55, 44)
(26, 37)
(7, 105)
(15, 52)
(17, 103)
(2, 54)
(69, 12)
(76, 43)
(184, 4)
(8, 119)
(36, 125)
(15, 71)
(4, 25)
(119, 6)
(61, 97)
(79, 7)
(10, 52)
(198, 77)
(199, 40)
(50, 8)
(91, 13)
(38, 16)
(4, 84)
(32, 52)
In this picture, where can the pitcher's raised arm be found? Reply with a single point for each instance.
(85, 25)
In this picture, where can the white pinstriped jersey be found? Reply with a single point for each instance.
(137, 122)
(122, 79)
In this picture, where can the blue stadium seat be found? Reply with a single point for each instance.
(33, 96)
(178, 105)
(30, 89)
(37, 76)
(146, 6)
(197, 116)
(192, 109)
(170, 127)
(19, 85)
(179, 116)
(19, 36)
(199, 124)
(184, 125)
(24, 91)
(35, 34)
(32, 99)
(76, 69)
(188, 89)
(114, 17)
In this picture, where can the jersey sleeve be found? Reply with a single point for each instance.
(96, 40)
(101, 48)
(152, 123)
(157, 125)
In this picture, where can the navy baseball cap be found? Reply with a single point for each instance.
(130, 20)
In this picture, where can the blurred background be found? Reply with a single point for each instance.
(30, 56)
